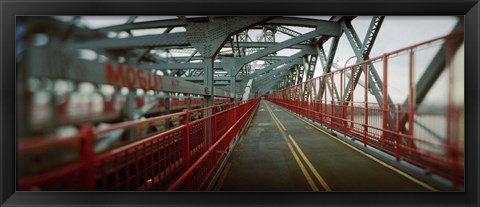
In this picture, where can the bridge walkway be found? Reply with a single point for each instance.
(282, 152)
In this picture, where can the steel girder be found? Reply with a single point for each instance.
(284, 30)
(183, 39)
(160, 40)
(57, 64)
(278, 70)
(327, 65)
(269, 82)
(209, 37)
(185, 65)
(311, 64)
(267, 69)
(269, 86)
(375, 83)
(331, 29)
(171, 23)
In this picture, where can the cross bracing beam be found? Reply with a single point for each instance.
(267, 69)
(144, 25)
(374, 81)
(180, 66)
(300, 22)
(327, 65)
(160, 40)
(312, 63)
(268, 86)
(270, 83)
(278, 75)
(278, 70)
(284, 30)
(333, 29)
(216, 78)
(209, 37)
(268, 44)
(56, 64)
(293, 77)
(301, 71)
(170, 23)
(184, 65)
(169, 39)
(271, 79)
(188, 59)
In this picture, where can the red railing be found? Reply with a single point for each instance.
(424, 135)
(182, 158)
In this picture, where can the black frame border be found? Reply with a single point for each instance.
(10, 8)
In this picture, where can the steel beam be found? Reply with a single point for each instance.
(332, 30)
(268, 86)
(327, 66)
(160, 40)
(375, 83)
(300, 22)
(170, 23)
(278, 70)
(274, 65)
(167, 23)
(216, 78)
(57, 64)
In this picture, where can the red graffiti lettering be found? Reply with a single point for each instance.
(141, 79)
(131, 78)
(114, 77)
(160, 79)
(151, 78)
(134, 77)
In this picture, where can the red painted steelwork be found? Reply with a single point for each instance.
(177, 159)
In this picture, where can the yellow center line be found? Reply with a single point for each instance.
(305, 159)
(309, 164)
(423, 184)
(276, 119)
(297, 159)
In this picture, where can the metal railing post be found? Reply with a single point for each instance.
(186, 137)
(385, 98)
(397, 144)
(88, 157)
(365, 133)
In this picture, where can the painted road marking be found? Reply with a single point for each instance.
(309, 164)
(276, 119)
(300, 164)
(305, 159)
(370, 156)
